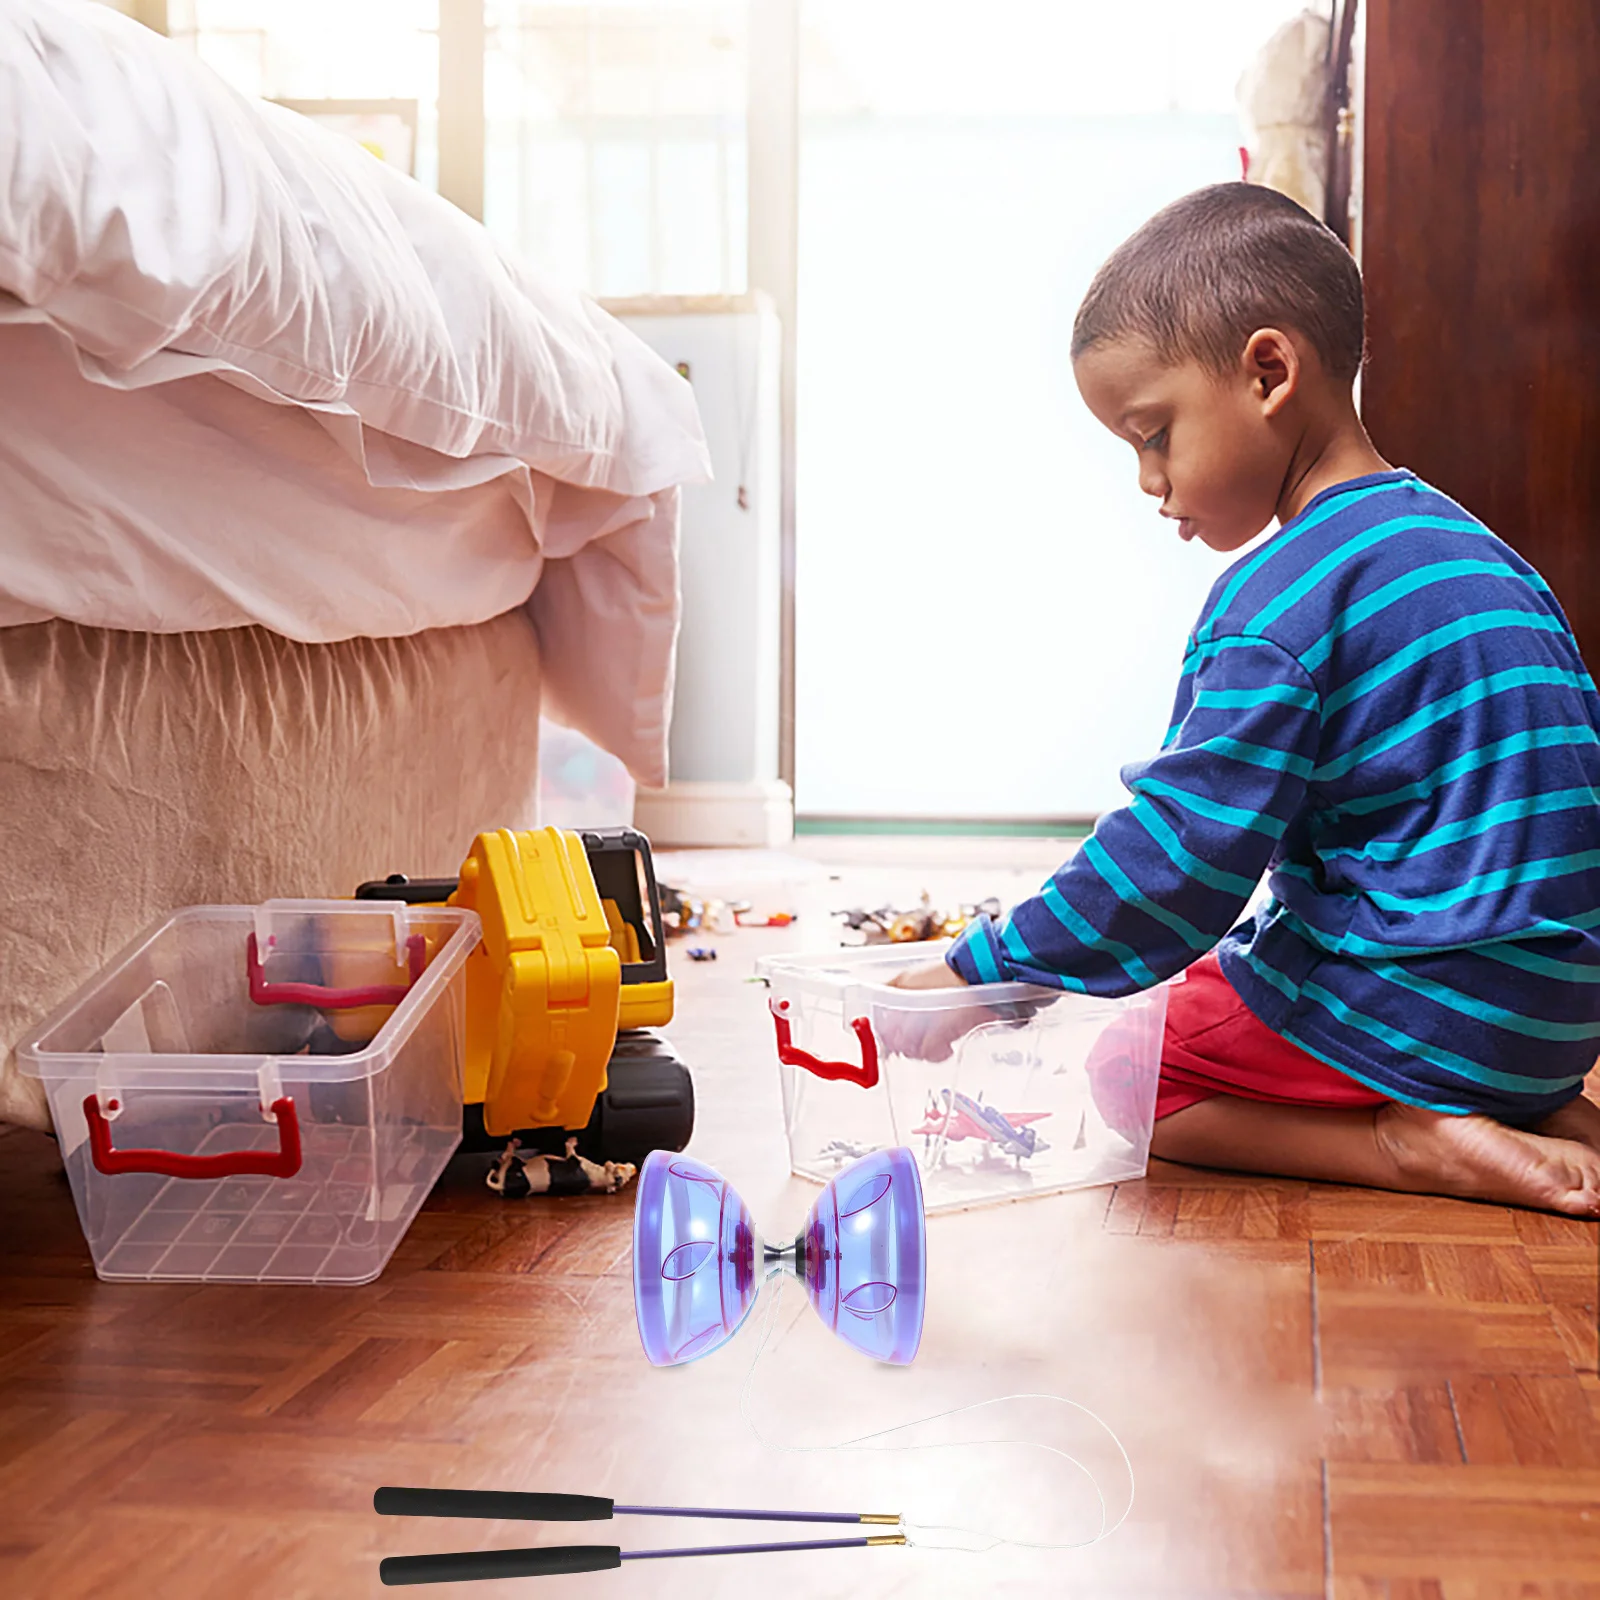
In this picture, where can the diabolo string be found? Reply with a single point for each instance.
(945, 1536)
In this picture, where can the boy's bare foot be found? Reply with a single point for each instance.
(1578, 1119)
(1556, 1168)
(1477, 1158)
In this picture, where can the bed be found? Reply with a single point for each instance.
(311, 500)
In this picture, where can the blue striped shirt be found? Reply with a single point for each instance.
(1382, 707)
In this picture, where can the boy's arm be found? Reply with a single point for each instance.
(1164, 878)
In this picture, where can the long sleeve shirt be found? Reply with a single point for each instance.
(1383, 708)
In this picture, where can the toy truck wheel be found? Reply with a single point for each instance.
(648, 1103)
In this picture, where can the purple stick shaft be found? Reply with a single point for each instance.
(746, 1549)
(736, 1516)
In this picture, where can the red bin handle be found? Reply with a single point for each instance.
(283, 1163)
(315, 994)
(866, 1075)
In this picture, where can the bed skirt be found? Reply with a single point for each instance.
(141, 772)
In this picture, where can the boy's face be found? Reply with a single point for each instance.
(1207, 444)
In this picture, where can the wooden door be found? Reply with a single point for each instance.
(1480, 240)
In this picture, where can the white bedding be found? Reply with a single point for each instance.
(193, 506)
(190, 506)
(169, 225)
(249, 374)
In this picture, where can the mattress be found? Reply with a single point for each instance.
(190, 505)
(324, 765)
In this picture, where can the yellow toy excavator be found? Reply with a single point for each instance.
(563, 993)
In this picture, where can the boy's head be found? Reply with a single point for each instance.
(1213, 339)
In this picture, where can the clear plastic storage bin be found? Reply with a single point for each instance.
(261, 1094)
(1000, 1092)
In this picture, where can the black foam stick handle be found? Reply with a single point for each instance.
(467, 1566)
(493, 1505)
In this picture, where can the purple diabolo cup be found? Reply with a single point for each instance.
(698, 1264)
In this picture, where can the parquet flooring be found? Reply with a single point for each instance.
(1325, 1392)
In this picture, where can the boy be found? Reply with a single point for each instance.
(1384, 706)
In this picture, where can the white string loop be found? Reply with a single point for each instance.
(926, 1535)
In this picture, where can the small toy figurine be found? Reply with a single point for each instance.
(682, 912)
(923, 922)
(677, 909)
(702, 952)
(515, 1177)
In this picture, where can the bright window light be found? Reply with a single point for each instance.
(990, 615)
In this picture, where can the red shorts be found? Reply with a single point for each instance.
(1215, 1044)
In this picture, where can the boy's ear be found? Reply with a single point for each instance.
(1271, 365)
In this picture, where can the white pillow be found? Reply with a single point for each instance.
(170, 226)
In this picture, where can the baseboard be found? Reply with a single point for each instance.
(759, 814)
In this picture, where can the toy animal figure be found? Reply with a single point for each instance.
(515, 1177)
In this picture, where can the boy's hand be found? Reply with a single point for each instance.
(929, 1035)
(930, 975)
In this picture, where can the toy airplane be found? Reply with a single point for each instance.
(962, 1117)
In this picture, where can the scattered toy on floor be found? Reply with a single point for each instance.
(889, 926)
(515, 1176)
(683, 912)
(743, 917)
(702, 952)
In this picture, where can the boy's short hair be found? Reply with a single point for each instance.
(1208, 270)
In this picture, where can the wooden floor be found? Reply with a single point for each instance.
(1325, 1392)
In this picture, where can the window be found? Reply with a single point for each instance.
(616, 142)
(320, 50)
(989, 615)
